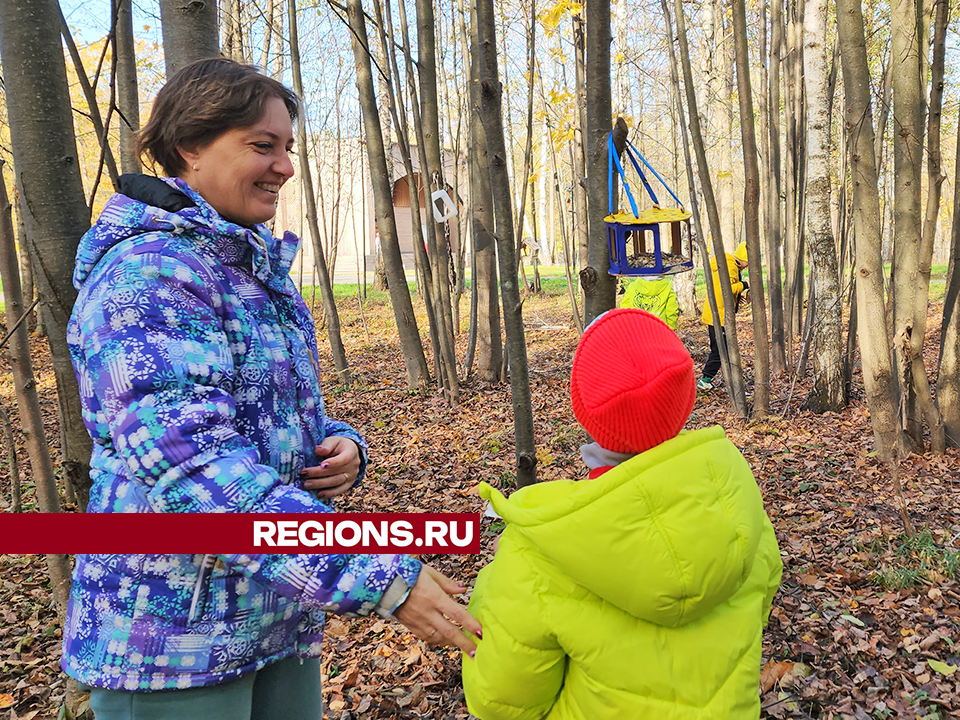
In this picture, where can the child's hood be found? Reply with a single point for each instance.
(666, 536)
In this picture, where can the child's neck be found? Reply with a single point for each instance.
(599, 459)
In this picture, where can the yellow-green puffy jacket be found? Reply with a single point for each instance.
(656, 296)
(733, 270)
(640, 595)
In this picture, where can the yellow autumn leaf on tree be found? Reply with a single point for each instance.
(552, 17)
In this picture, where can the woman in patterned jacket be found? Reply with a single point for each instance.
(196, 361)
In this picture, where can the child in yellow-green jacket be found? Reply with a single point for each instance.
(642, 593)
(656, 296)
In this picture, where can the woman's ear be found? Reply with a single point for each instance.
(190, 158)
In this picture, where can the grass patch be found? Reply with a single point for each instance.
(914, 561)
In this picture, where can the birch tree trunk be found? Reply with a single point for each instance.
(189, 30)
(55, 211)
(418, 376)
(490, 113)
(751, 215)
(871, 317)
(828, 385)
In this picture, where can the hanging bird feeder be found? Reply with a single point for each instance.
(636, 241)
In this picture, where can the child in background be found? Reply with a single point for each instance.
(642, 592)
(656, 296)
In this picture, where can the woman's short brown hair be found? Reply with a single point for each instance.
(201, 102)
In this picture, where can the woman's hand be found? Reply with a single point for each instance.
(338, 470)
(430, 614)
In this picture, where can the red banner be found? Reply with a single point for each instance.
(162, 534)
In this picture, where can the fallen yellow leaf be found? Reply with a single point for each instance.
(5, 700)
(942, 667)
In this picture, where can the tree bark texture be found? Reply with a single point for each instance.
(418, 375)
(489, 342)
(871, 318)
(828, 386)
(189, 30)
(908, 117)
(751, 214)
(490, 113)
(55, 213)
(599, 287)
(128, 100)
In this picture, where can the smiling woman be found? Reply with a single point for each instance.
(196, 360)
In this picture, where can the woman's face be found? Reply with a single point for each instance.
(241, 172)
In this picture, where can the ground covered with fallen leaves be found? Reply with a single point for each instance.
(865, 623)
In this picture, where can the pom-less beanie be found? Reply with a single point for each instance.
(632, 384)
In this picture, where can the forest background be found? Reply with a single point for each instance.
(842, 375)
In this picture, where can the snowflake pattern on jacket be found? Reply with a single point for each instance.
(195, 356)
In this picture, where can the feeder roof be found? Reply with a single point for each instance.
(649, 217)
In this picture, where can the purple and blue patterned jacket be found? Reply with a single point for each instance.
(196, 358)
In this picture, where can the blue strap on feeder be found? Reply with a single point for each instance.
(612, 155)
(655, 174)
(643, 178)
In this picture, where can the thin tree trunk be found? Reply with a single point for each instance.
(268, 35)
(397, 114)
(910, 279)
(751, 215)
(418, 376)
(775, 204)
(306, 177)
(31, 418)
(189, 30)
(935, 178)
(490, 112)
(733, 372)
(948, 379)
(6, 428)
(128, 99)
(871, 320)
(91, 98)
(55, 211)
(489, 342)
(828, 387)
(426, 121)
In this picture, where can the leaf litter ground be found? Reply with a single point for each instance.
(864, 625)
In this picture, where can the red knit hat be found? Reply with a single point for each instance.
(632, 383)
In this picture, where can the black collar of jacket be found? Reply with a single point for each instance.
(153, 191)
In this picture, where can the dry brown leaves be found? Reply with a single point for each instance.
(839, 645)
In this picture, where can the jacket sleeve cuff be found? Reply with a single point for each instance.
(399, 590)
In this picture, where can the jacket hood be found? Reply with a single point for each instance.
(666, 536)
(146, 206)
